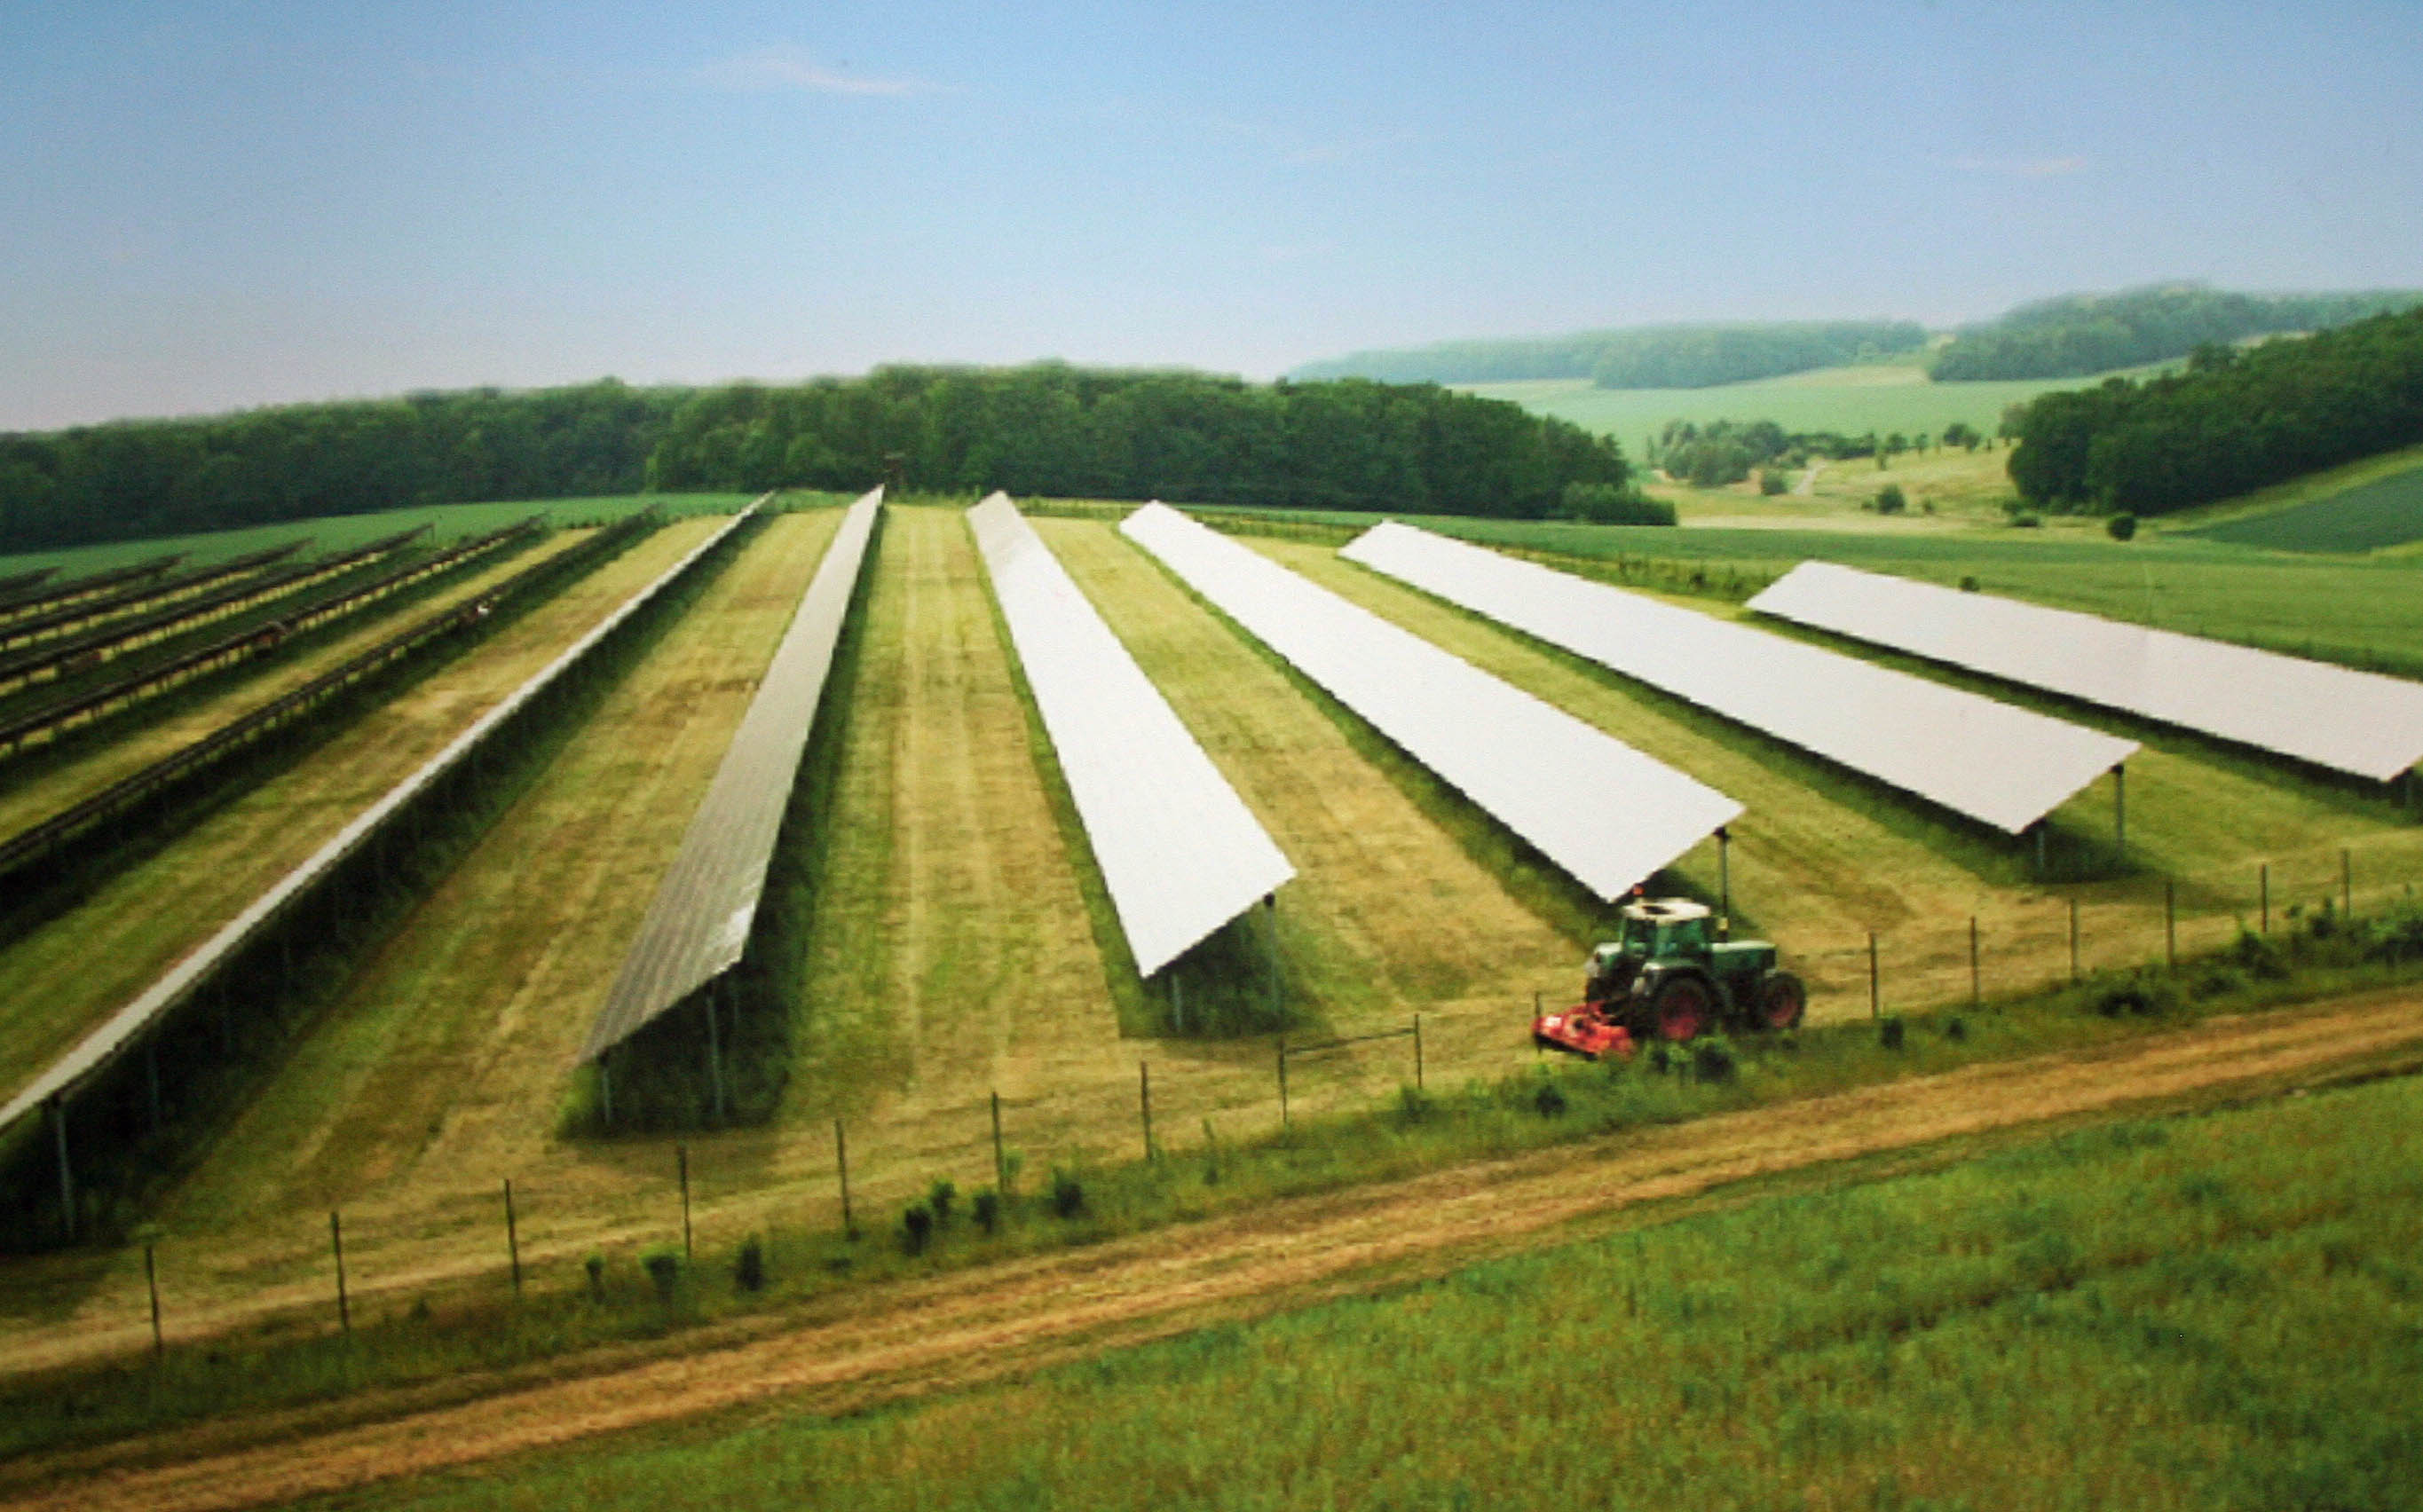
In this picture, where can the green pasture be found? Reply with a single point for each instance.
(2385, 511)
(1879, 397)
(335, 532)
(2208, 1311)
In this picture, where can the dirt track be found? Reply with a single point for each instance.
(955, 1331)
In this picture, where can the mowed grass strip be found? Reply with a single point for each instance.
(1386, 914)
(101, 759)
(2214, 1311)
(950, 951)
(64, 976)
(450, 1050)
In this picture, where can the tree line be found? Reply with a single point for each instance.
(1641, 356)
(2236, 419)
(2080, 335)
(1045, 428)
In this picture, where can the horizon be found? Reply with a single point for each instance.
(275, 205)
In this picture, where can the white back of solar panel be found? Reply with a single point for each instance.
(1606, 813)
(1180, 851)
(2357, 723)
(2006, 766)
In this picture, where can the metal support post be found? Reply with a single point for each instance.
(606, 1091)
(58, 1107)
(1283, 1096)
(1876, 985)
(715, 1051)
(681, 1169)
(151, 1078)
(337, 1243)
(2073, 939)
(2041, 850)
(513, 1238)
(1000, 1160)
(840, 1160)
(1977, 982)
(2347, 883)
(2120, 808)
(2170, 922)
(1724, 884)
(2263, 884)
(1417, 1052)
(152, 1283)
(1143, 1103)
(1271, 916)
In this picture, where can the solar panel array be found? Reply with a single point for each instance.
(1606, 813)
(1180, 851)
(124, 1028)
(2006, 766)
(698, 923)
(2350, 721)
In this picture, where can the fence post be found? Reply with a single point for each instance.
(2170, 924)
(1976, 983)
(2263, 882)
(152, 1282)
(513, 1238)
(1417, 1052)
(1876, 990)
(681, 1170)
(841, 1159)
(2073, 939)
(337, 1242)
(1144, 1102)
(1000, 1166)
(1283, 1096)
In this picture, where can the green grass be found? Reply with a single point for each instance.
(2385, 511)
(1879, 397)
(336, 532)
(2213, 1312)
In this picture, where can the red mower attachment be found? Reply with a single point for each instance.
(1587, 1032)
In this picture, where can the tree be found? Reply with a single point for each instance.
(2121, 526)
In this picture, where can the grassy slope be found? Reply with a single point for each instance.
(2384, 510)
(335, 532)
(28, 799)
(449, 1049)
(1822, 858)
(56, 981)
(1386, 914)
(2206, 1312)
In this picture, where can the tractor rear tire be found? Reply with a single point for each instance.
(1684, 1006)
(1779, 1002)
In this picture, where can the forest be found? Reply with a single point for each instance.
(2236, 419)
(1044, 428)
(2080, 335)
(1643, 356)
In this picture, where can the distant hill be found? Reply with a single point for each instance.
(1638, 357)
(2079, 335)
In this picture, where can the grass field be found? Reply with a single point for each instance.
(336, 532)
(2196, 1312)
(1879, 397)
(36, 784)
(2386, 511)
(60, 978)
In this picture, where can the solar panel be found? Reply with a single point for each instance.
(2350, 721)
(1606, 814)
(2006, 766)
(1180, 851)
(123, 1029)
(698, 923)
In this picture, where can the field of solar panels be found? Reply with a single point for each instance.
(953, 936)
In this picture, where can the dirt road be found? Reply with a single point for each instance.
(955, 1331)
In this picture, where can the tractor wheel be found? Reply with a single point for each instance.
(1683, 1007)
(1779, 1002)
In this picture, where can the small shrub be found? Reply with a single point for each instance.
(917, 1228)
(1013, 1164)
(1548, 1101)
(1771, 481)
(749, 1265)
(595, 1266)
(1414, 1105)
(1969, 583)
(987, 1210)
(1712, 1059)
(1891, 1033)
(2027, 519)
(1890, 500)
(2140, 994)
(2216, 980)
(1955, 1029)
(942, 1197)
(2395, 937)
(1068, 1192)
(2122, 526)
(2257, 957)
(664, 1264)
(1661, 1058)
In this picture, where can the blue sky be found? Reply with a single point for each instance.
(207, 207)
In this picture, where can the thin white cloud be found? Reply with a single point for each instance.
(2023, 168)
(794, 68)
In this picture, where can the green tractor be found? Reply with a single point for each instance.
(1667, 976)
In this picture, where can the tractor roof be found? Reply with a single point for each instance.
(1664, 910)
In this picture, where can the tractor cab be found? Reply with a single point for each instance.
(1651, 929)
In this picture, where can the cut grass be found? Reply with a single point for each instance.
(337, 532)
(63, 975)
(2385, 511)
(452, 1046)
(2212, 1311)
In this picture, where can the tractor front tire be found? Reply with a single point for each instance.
(1683, 1008)
(1779, 1002)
